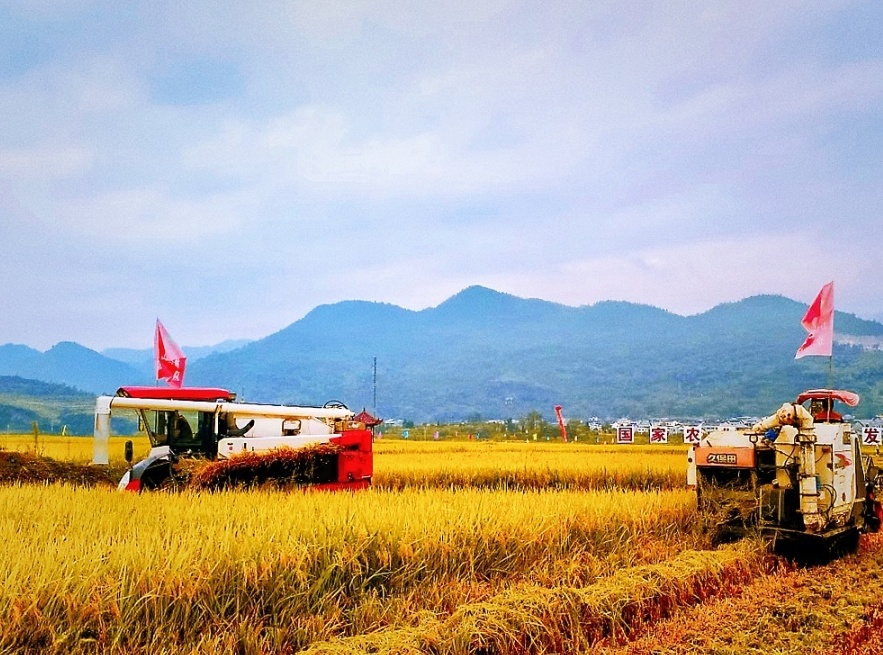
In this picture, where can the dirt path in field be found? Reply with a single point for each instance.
(831, 609)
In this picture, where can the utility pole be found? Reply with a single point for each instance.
(375, 387)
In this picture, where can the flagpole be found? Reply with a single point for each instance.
(156, 353)
(831, 370)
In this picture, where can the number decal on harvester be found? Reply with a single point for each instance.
(721, 458)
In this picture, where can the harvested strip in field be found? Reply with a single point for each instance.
(27, 468)
(866, 638)
(826, 610)
(531, 619)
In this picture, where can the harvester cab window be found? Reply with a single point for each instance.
(206, 425)
(180, 430)
(159, 436)
(147, 424)
(206, 434)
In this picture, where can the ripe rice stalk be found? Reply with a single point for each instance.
(279, 467)
(91, 566)
(517, 466)
(405, 465)
(526, 479)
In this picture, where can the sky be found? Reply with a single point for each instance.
(228, 166)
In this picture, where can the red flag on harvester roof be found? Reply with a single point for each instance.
(819, 322)
(169, 358)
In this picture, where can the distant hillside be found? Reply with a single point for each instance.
(492, 354)
(11, 385)
(142, 358)
(52, 406)
(69, 364)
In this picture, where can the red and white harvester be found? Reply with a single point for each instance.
(207, 423)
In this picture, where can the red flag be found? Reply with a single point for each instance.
(169, 358)
(561, 424)
(819, 322)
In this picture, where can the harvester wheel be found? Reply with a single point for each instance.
(157, 477)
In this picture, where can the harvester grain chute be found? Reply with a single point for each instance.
(207, 423)
(798, 478)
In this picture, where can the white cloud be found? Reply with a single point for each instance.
(316, 149)
(571, 151)
(150, 218)
(45, 164)
(693, 277)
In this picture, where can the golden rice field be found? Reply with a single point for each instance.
(521, 465)
(70, 449)
(460, 548)
(403, 464)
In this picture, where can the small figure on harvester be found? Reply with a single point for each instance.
(787, 414)
(823, 412)
(181, 430)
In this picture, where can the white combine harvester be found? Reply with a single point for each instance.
(207, 423)
(798, 477)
